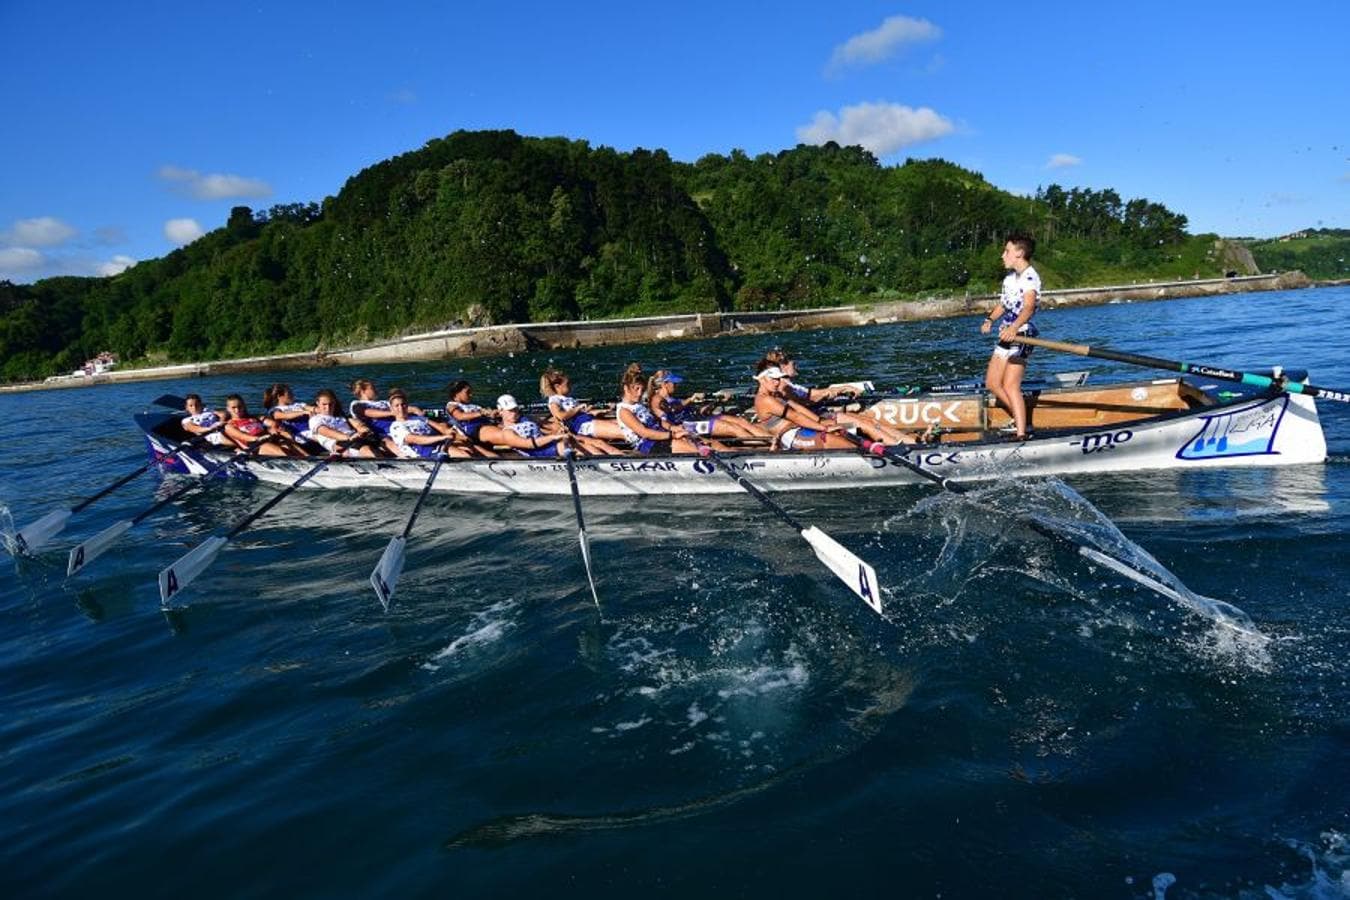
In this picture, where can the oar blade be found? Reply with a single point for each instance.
(860, 577)
(35, 536)
(85, 553)
(196, 561)
(586, 561)
(384, 579)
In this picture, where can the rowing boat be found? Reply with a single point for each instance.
(1169, 423)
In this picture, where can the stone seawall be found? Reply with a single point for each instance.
(497, 339)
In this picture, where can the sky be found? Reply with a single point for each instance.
(133, 128)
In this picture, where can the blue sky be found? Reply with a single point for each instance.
(131, 128)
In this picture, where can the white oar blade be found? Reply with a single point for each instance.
(852, 571)
(586, 560)
(35, 536)
(83, 554)
(179, 575)
(385, 577)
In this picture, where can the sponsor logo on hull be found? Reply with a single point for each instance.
(1249, 431)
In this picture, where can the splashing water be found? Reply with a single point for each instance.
(1054, 509)
(8, 532)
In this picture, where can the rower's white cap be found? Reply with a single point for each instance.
(771, 372)
(506, 401)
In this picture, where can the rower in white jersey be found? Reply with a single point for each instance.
(335, 433)
(593, 434)
(521, 434)
(203, 422)
(369, 408)
(642, 430)
(415, 436)
(280, 405)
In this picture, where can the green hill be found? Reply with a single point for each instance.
(1322, 253)
(482, 227)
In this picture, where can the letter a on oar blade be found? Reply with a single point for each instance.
(35, 536)
(385, 577)
(189, 566)
(854, 572)
(92, 549)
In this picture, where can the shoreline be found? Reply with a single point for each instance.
(497, 339)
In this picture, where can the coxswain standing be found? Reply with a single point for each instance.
(1014, 311)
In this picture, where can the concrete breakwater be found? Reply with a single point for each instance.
(497, 339)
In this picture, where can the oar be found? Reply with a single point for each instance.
(179, 575)
(83, 554)
(1185, 368)
(568, 453)
(860, 577)
(35, 536)
(384, 579)
(876, 448)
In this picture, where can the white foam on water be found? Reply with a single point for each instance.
(486, 627)
(1329, 875)
(8, 532)
(1161, 882)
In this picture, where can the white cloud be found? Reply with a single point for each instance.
(882, 128)
(182, 231)
(883, 42)
(115, 266)
(1063, 161)
(403, 97)
(214, 186)
(15, 261)
(45, 231)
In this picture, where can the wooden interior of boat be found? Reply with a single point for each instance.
(969, 417)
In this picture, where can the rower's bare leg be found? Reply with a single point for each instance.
(1012, 392)
(607, 430)
(596, 447)
(874, 429)
(993, 379)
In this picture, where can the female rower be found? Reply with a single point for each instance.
(281, 406)
(203, 422)
(413, 436)
(814, 400)
(467, 417)
(335, 433)
(369, 408)
(522, 435)
(794, 427)
(641, 428)
(592, 432)
(671, 410)
(247, 431)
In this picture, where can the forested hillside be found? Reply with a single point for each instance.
(492, 227)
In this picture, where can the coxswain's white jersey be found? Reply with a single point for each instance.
(1013, 297)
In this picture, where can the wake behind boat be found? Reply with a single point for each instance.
(1128, 426)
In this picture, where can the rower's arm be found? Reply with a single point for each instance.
(651, 434)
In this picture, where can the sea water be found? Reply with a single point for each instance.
(731, 721)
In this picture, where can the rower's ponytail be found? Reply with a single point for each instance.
(549, 381)
(271, 394)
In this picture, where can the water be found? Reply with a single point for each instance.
(1024, 721)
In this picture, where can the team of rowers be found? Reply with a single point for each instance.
(649, 418)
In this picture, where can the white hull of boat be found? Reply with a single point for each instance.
(1280, 430)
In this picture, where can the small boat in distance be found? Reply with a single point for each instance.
(1168, 423)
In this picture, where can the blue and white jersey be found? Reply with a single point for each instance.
(644, 415)
(337, 423)
(207, 418)
(356, 409)
(562, 403)
(1013, 297)
(400, 430)
(298, 426)
(526, 429)
(468, 427)
(801, 392)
